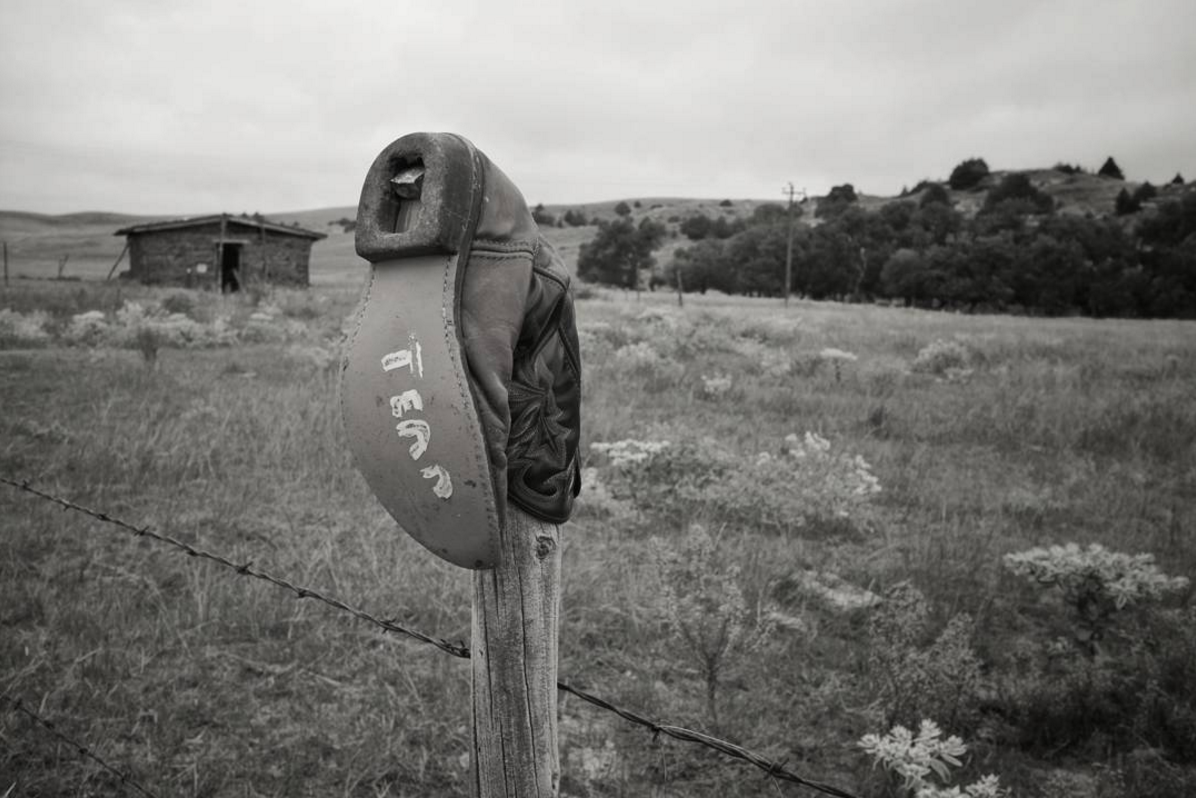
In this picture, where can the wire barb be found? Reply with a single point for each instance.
(777, 770)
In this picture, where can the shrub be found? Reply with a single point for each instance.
(179, 302)
(1068, 169)
(623, 209)
(1096, 583)
(543, 217)
(968, 174)
(23, 329)
(940, 357)
(911, 680)
(705, 609)
(726, 203)
(809, 485)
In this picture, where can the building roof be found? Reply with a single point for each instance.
(249, 222)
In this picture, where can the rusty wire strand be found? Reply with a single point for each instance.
(774, 769)
(19, 706)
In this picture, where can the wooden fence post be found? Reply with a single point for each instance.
(5, 264)
(516, 608)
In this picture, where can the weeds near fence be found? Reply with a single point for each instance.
(775, 770)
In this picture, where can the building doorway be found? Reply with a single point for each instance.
(230, 268)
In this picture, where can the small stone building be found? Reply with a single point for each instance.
(220, 252)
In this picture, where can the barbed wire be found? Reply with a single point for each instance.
(19, 706)
(776, 770)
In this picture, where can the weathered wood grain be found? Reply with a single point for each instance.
(515, 615)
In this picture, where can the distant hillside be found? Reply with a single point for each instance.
(36, 242)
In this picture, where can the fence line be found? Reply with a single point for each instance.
(776, 770)
(79, 747)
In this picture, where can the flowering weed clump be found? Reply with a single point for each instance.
(837, 357)
(806, 485)
(1095, 582)
(23, 329)
(915, 758)
(717, 386)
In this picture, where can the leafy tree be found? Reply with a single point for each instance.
(704, 266)
(575, 218)
(695, 228)
(772, 213)
(1048, 276)
(968, 174)
(623, 209)
(843, 193)
(1171, 224)
(637, 204)
(934, 193)
(1111, 169)
(904, 275)
(1145, 192)
(759, 257)
(721, 228)
(620, 252)
(543, 217)
(1017, 186)
(837, 201)
(938, 222)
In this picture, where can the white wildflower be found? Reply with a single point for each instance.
(716, 386)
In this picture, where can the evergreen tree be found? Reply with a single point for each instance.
(1111, 169)
(1125, 204)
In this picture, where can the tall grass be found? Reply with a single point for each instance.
(202, 683)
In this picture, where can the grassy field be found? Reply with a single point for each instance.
(1027, 432)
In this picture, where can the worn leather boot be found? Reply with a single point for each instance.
(461, 387)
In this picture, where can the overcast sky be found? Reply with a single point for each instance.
(165, 107)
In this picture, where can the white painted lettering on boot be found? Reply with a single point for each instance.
(407, 400)
(418, 429)
(411, 359)
(444, 484)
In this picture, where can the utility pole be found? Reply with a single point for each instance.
(790, 191)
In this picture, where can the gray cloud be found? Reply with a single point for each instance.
(153, 108)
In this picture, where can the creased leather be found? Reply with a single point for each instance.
(519, 337)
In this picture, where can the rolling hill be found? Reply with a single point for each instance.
(38, 242)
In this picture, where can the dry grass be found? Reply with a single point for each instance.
(204, 684)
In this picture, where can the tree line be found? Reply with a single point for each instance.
(1016, 254)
